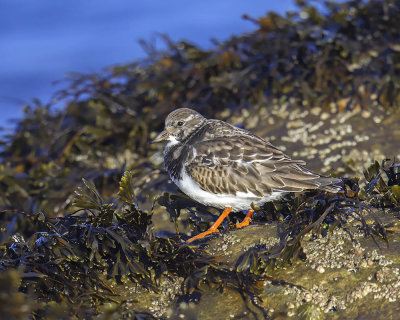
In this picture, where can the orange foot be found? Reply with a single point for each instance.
(214, 227)
(246, 220)
(203, 234)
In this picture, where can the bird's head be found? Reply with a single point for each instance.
(179, 125)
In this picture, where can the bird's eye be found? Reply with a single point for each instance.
(180, 123)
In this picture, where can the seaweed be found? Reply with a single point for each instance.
(383, 184)
(73, 232)
(78, 259)
(308, 58)
(72, 259)
(299, 214)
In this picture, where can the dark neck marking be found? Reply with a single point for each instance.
(176, 155)
(198, 134)
(174, 159)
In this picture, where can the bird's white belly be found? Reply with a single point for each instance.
(238, 202)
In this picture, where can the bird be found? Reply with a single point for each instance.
(230, 168)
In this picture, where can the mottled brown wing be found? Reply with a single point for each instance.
(247, 164)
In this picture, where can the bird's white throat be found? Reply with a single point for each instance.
(172, 141)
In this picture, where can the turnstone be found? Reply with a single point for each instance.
(220, 165)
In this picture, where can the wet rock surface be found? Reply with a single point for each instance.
(328, 140)
(344, 275)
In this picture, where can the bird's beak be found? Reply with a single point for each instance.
(164, 135)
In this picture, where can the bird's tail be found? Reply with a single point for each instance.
(329, 184)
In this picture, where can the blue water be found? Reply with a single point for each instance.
(41, 41)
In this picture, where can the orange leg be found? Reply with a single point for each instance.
(214, 227)
(246, 219)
